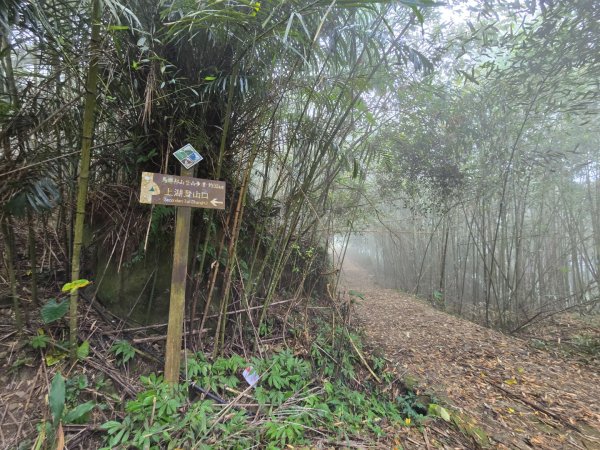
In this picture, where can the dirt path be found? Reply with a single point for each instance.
(521, 397)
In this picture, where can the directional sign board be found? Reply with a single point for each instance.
(159, 189)
(188, 156)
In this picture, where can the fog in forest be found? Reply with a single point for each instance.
(292, 210)
(544, 262)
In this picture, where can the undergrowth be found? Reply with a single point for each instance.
(323, 393)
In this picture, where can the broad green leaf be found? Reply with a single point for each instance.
(83, 350)
(77, 284)
(438, 411)
(118, 28)
(54, 310)
(444, 414)
(110, 424)
(56, 398)
(79, 412)
(53, 358)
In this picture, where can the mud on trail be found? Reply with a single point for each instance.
(520, 397)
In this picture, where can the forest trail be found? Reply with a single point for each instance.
(521, 397)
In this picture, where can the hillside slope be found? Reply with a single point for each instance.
(520, 397)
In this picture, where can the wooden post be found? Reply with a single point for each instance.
(178, 284)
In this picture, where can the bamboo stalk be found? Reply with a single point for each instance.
(84, 168)
(32, 257)
(10, 268)
(231, 251)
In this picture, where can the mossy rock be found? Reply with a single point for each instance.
(140, 286)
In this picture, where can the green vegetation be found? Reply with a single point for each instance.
(60, 395)
(448, 148)
(123, 351)
(296, 401)
(485, 195)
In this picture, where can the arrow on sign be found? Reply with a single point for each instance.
(215, 202)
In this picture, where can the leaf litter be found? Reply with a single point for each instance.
(517, 396)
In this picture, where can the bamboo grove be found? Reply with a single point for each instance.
(271, 93)
(494, 182)
(458, 159)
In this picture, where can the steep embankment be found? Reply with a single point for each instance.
(521, 397)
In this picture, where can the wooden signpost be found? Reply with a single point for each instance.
(184, 192)
(160, 189)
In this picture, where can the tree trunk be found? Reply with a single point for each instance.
(84, 168)
(231, 254)
(9, 258)
(32, 257)
(446, 233)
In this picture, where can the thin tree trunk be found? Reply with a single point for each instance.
(231, 254)
(210, 213)
(32, 257)
(9, 258)
(84, 168)
(595, 220)
(446, 233)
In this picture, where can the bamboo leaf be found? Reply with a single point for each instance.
(79, 412)
(288, 27)
(439, 411)
(77, 284)
(56, 398)
(83, 350)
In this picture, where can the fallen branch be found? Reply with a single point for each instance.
(81, 430)
(190, 322)
(427, 444)
(114, 375)
(162, 337)
(362, 358)
(358, 352)
(534, 406)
